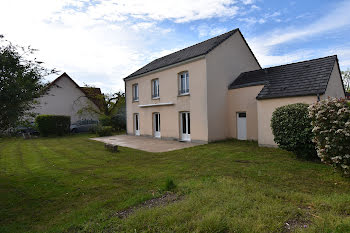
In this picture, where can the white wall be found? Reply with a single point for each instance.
(65, 98)
(335, 87)
(224, 64)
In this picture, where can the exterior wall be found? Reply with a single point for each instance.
(195, 103)
(243, 100)
(265, 110)
(335, 86)
(224, 64)
(64, 98)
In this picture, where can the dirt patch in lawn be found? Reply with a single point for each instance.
(166, 199)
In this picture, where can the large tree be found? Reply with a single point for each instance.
(346, 79)
(21, 81)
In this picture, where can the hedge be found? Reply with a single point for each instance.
(292, 130)
(53, 125)
(331, 127)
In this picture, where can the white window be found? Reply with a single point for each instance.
(184, 83)
(135, 92)
(155, 88)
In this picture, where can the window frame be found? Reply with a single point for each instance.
(134, 92)
(186, 84)
(154, 92)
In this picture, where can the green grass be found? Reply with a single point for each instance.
(72, 184)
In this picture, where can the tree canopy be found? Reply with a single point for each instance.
(21, 81)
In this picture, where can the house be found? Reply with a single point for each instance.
(66, 97)
(216, 89)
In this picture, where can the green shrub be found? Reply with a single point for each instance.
(53, 125)
(119, 122)
(104, 131)
(169, 185)
(105, 120)
(292, 130)
(331, 127)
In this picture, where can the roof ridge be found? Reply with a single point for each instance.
(233, 30)
(203, 48)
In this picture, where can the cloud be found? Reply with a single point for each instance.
(204, 30)
(264, 46)
(247, 2)
(102, 42)
(158, 10)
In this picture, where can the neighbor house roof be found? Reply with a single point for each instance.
(90, 92)
(193, 51)
(296, 79)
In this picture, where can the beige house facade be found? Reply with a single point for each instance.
(216, 90)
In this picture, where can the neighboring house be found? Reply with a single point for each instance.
(65, 97)
(216, 89)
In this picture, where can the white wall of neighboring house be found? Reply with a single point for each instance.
(65, 98)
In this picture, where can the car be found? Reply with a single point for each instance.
(83, 126)
(29, 129)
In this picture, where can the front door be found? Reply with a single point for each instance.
(185, 126)
(241, 126)
(137, 124)
(156, 125)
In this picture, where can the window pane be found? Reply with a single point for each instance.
(183, 122)
(189, 123)
(187, 83)
(182, 84)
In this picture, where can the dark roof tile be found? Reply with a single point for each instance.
(193, 51)
(296, 79)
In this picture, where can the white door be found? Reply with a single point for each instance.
(185, 126)
(156, 125)
(242, 126)
(137, 124)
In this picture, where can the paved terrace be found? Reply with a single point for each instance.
(146, 143)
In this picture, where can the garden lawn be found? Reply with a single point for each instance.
(72, 184)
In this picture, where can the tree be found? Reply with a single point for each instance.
(346, 79)
(21, 81)
(112, 108)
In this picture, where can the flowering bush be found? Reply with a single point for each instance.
(292, 130)
(331, 127)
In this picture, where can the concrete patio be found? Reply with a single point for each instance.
(145, 143)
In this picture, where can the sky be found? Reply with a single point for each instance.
(100, 42)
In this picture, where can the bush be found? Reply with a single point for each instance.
(104, 131)
(292, 130)
(331, 127)
(53, 124)
(119, 122)
(105, 120)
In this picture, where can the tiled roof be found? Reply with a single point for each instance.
(296, 79)
(184, 54)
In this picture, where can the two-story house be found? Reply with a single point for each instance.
(205, 92)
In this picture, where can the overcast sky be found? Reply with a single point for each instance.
(101, 42)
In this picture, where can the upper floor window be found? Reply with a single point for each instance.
(184, 83)
(155, 88)
(135, 92)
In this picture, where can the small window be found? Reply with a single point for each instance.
(155, 88)
(135, 92)
(184, 87)
(242, 114)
